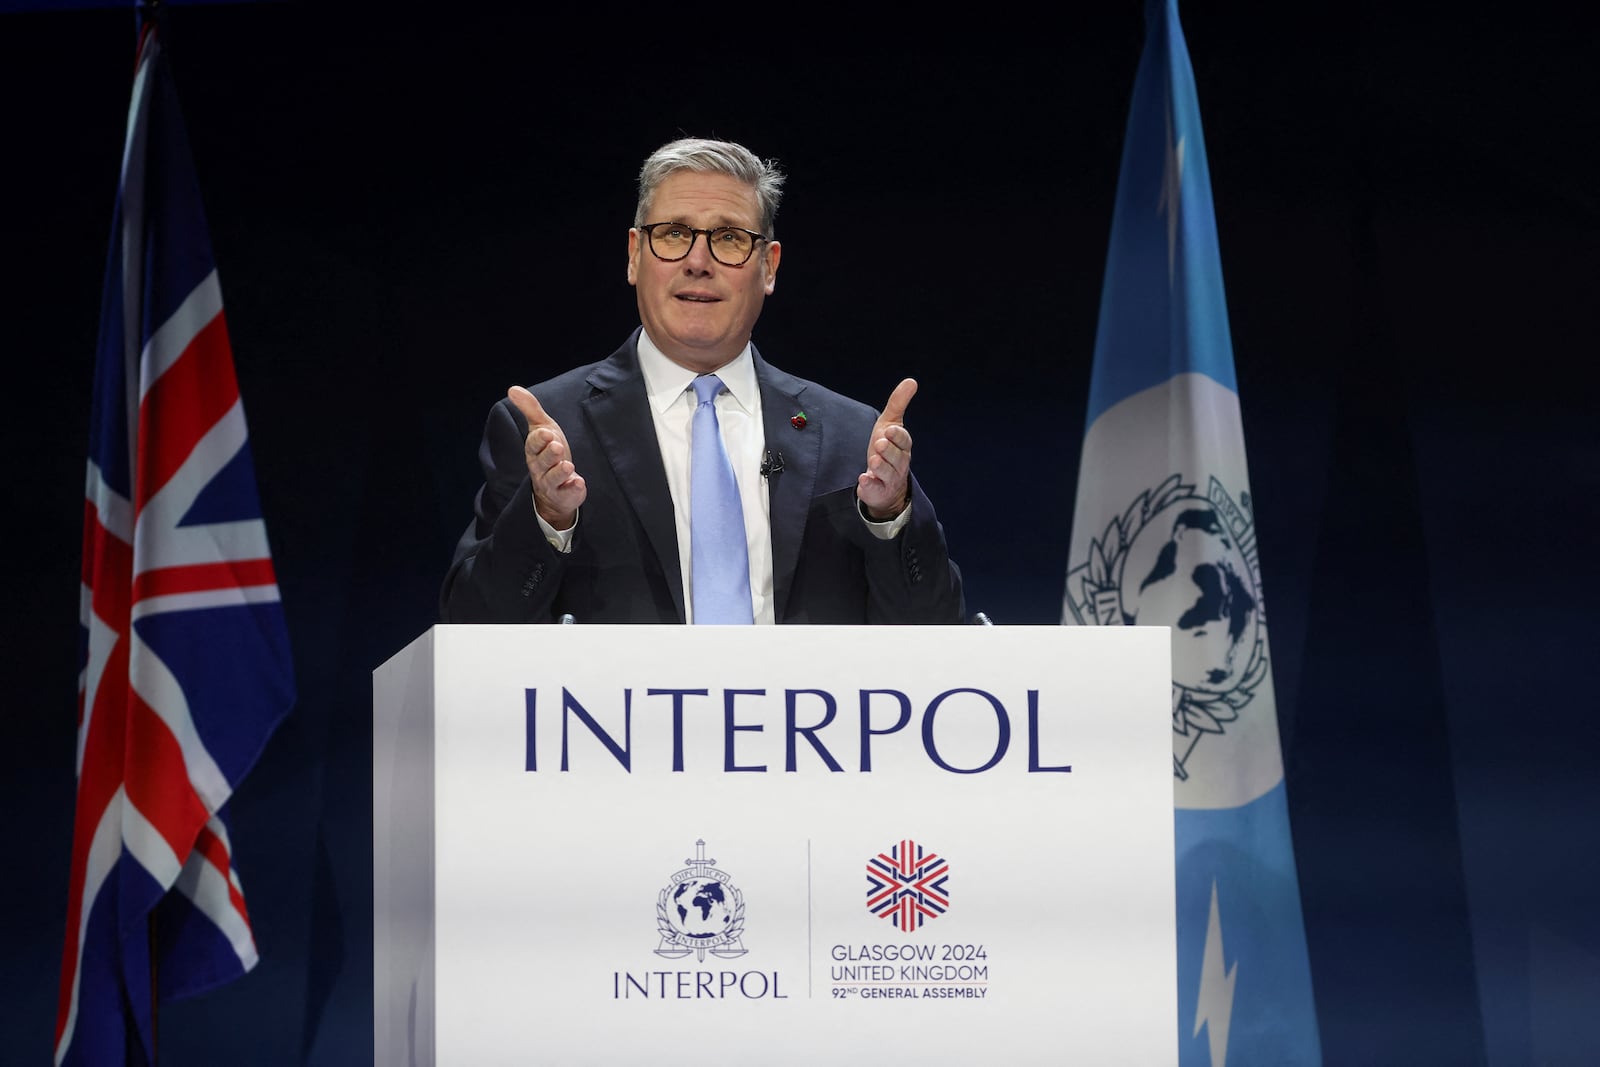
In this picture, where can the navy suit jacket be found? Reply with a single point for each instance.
(827, 567)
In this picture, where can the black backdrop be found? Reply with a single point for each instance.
(410, 214)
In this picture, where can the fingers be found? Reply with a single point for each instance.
(890, 439)
(545, 445)
(558, 489)
(546, 454)
(895, 409)
(884, 486)
(893, 444)
(552, 473)
(890, 454)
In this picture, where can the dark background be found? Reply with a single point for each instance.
(411, 213)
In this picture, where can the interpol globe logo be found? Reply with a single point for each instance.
(700, 911)
(1185, 560)
(1185, 571)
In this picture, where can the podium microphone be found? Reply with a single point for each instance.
(771, 464)
(567, 619)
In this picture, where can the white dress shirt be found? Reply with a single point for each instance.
(671, 395)
(738, 405)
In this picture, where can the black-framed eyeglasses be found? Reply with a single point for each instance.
(731, 246)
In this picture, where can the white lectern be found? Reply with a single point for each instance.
(599, 844)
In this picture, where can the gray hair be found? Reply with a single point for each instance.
(712, 157)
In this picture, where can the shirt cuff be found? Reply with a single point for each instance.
(883, 531)
(561, 540)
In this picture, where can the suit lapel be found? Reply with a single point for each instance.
(619, 413)
(789, 491)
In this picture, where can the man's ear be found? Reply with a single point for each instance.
(633, 256)
(769, 261)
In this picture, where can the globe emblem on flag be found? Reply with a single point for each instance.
(1187, 561)
(1186, 572)
(700, 911)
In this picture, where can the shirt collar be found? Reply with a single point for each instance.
(666, 381)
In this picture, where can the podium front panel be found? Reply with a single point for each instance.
(782, 845)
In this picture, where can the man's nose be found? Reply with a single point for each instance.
(699, 260)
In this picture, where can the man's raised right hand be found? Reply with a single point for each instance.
(558, 488)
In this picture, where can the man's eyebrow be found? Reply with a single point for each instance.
(717, 221)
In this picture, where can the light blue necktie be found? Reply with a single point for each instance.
(719, 566)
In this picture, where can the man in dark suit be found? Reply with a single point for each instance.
(588, 478)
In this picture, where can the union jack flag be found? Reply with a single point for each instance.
(185, 655)
(906, 885)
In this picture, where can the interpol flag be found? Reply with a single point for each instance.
(185, 656)
(1164, 534)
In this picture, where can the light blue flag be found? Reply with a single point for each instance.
(1164, 535)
